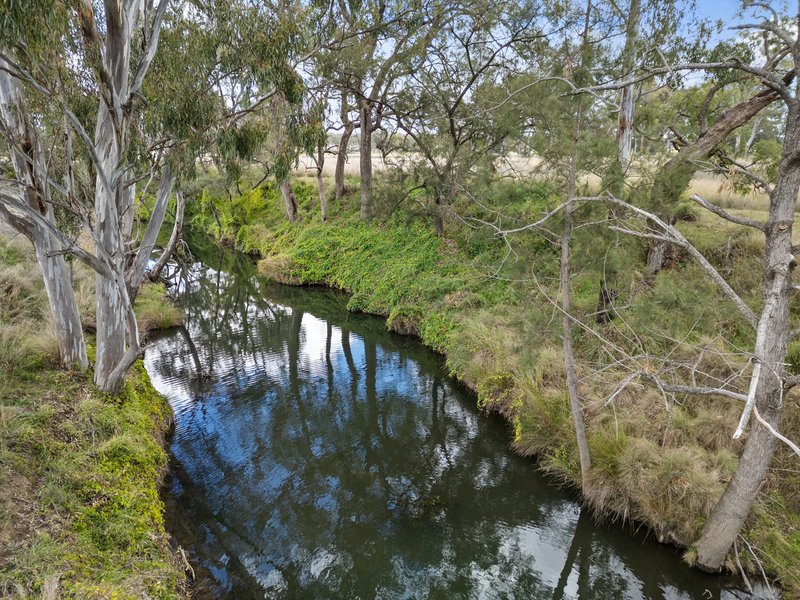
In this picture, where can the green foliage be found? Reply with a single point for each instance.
(91, 466)
(767, 157)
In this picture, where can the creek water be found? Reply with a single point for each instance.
(316, 455)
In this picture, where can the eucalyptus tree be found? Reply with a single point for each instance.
(267, 115)
(376, 45)
(78, 59)
(30, 161)
(114, 125)
(451, 111)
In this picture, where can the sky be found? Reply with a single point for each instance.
(730, 11)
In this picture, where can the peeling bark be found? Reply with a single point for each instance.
(31, 171)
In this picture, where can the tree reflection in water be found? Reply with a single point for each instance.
(316, 455)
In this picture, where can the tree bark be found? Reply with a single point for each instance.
(344, 143)
(625, 115)
(365, 151)
(31, 171)
(566, 317)
(117, 332)
(341, 159)
(751, 140)
(289, 201)
(736, 503)
(135, 273)
(323, 201)
(174, 238)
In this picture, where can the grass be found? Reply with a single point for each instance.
(80, 514)
(493, 314)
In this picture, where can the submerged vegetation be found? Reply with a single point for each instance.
(80, 513)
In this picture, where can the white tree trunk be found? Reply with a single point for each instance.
(31, 171)
(174, 238)
(117, 334)
(625, 116)
(135, 274)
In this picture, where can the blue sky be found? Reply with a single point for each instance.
(730, 11)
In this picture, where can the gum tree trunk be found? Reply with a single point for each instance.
(341, 159)
(31, 171)
(625, 116)
(174, 238)
(117, 331)
(344, 143)
(323, 201)
(365, 158)
(289, 200)
(135, 273)
(736, 503)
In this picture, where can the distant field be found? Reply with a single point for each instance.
(711, 187)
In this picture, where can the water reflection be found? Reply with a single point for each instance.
(318, 456)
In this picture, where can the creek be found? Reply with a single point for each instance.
(317, 455)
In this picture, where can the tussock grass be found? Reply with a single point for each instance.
(716, 189)
(153, 311)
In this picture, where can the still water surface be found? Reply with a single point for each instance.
(316, 455)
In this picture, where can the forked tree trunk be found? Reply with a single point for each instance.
(365, 159)
(31, 171)
(117, 333)
(736, 503)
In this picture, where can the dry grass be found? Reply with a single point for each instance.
(716, 189)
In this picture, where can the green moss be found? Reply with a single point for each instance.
(91, 465)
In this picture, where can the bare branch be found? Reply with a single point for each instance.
(720, 212)
(794, 447)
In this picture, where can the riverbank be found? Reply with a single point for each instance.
(493, 317)
(80, 513)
